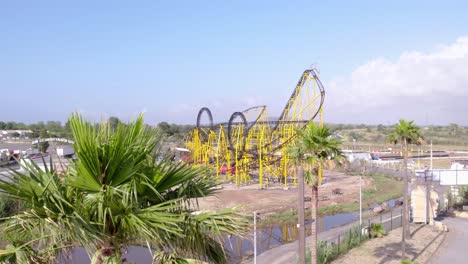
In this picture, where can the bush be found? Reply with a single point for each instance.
(9, 207)
(376, 230)
(327, 252)
(353, 238)
(407, 261)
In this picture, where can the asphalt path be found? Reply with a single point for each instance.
(454, 248)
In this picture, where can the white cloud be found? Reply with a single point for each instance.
(428, 87)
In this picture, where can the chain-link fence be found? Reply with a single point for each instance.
(339, 238)
(390, 221)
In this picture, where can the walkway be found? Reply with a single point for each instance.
(453, 250)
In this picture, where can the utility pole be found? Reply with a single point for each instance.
(428, 192)
(419, 157)
(255, 237)
(300, 214)
(360, 197)
(431, 157)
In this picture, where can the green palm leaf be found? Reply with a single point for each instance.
(115, 195)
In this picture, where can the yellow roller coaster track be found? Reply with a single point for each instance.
(251, 147)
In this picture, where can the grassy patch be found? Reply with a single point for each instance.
(289, 216)
(338, 208)
(383, 188)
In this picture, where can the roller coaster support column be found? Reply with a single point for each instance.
(285, 169)
(218, 147)
(260, 159)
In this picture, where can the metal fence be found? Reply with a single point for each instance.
(390, 221)
(277, 235)
(446, 177)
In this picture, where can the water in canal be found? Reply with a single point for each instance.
(268, 237)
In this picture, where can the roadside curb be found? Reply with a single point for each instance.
(438, 247)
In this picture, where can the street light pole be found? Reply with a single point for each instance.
(431, 157)
(255, 237)
(360, 197)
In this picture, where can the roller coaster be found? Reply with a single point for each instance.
(252, 146)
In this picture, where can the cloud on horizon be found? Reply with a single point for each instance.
(427, 87)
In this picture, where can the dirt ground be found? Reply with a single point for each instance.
(278, 198)
(420, 248)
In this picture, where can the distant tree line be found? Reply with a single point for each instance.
(451, 134)
(174, 131)
(49, 128)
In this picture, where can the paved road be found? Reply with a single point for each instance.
(454, 249)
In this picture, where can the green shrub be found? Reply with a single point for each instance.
(377, 230)
(353, 238)
(407, 261)
(9, 207)
(327, 252)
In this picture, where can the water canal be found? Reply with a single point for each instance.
(268, 237)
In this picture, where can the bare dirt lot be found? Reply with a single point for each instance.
(424, 242)
(277, 198)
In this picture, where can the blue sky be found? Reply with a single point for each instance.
(171, 58)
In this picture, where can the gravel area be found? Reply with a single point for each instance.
(277, 199)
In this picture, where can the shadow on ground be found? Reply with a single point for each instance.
(389, 251)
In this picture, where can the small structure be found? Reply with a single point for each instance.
(181, 154)
(352, 156)
(459, 165)
(424, 203)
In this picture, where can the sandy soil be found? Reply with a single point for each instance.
(277, 198)
(420, 248)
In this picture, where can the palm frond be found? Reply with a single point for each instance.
(316, 145)
(114, 195)
(406, 130)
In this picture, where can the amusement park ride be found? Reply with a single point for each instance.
(251, 145)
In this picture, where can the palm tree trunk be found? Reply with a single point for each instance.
(405, 232)
(313, 247)
(300, 214)
(107, 253)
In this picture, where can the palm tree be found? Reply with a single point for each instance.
(405, 133)
(320, 148)
(116, 195)
(296, 157)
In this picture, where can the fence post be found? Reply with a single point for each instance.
(339, 242)
(401, 216)
(368, 227)
(360, 233)
(391, 220)
(255, 237)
